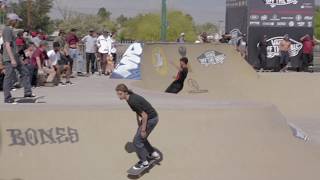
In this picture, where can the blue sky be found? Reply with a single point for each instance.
(201, 10)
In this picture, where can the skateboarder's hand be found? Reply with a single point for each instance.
(143, 134)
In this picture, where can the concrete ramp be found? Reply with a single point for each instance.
(295, 94)
(225, 143)
(207, 62)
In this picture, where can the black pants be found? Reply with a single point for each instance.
(306, 61)
(262, 61)
(33, 75)
(174, 88)
(1, 81)
(142, 145)
(91, 59)
(114, 56)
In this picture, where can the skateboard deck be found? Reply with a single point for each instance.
(22, 100)
(138, 172)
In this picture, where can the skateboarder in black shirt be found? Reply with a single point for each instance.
(147, 118)
(177, 85)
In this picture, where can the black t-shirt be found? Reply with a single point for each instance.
(138, 104)
(181, 76)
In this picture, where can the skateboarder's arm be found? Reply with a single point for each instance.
(144, 121)
(38, 62)
(138, 120)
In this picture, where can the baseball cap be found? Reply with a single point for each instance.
(13, 16)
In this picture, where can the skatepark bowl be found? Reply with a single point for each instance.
(229, 122)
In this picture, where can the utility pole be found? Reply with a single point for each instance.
(29, 9)
(164, 21)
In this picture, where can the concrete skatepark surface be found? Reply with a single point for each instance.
(238, 130)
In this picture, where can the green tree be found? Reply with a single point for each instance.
(178, 23)
(121, 20)
(146, 27)
(39, 14)
(104, 14)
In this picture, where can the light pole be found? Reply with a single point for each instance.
(164, 22)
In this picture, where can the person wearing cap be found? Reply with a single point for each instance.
(181, 38)
(74, 53)
(284, 47)
(55, 61)
(41, 64)
(11, 61)
(91, 48)
(103, 49)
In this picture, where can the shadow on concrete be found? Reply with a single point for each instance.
(129, 147)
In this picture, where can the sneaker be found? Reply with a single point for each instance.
(154, 156)
(9, 101)
(62, 84)
(30, 96)
(141, 165)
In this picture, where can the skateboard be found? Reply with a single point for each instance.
(134, 172)
(23, 100)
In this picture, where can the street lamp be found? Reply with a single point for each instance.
(164, 22)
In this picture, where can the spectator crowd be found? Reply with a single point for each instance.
(29, 60)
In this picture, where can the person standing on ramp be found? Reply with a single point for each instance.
(147, 119)
(177, 85)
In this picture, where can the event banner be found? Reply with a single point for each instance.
(281, 13)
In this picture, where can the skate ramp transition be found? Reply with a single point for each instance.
(218, 72)
(211, 143)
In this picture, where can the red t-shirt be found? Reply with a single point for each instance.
(38, 53)
(308, 45)
(72, 39)
(20, 42)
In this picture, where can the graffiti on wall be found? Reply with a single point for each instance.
(211, 58)
(33, 137)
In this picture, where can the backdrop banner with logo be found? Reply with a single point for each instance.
(275, 35)
(273, 18)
